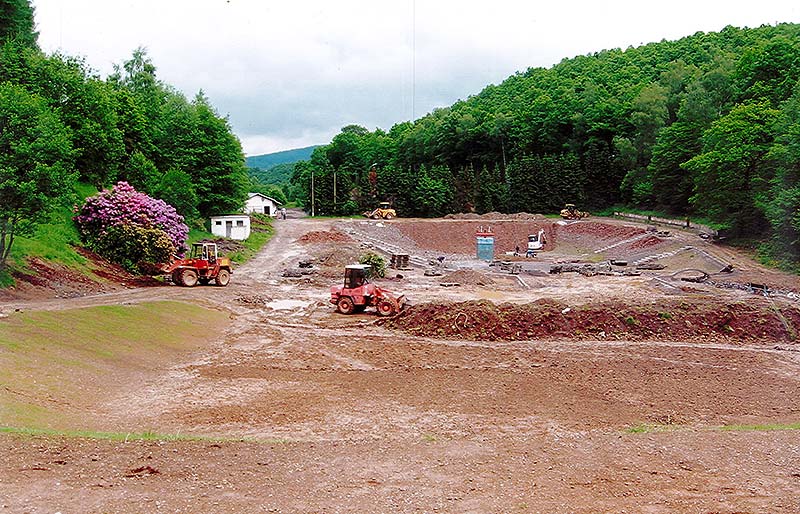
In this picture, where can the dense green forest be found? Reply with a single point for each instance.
(61, 124)
(706, 126)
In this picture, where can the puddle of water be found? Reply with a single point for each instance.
(288, 305)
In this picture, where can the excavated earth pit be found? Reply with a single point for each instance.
(505, 393)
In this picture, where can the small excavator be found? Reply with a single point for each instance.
(357, 293)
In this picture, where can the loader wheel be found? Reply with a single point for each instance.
(189, 278)
(376, 216)
(389, 216)
(177, 278)
(386, 308)
(345, 305)
(223, 277)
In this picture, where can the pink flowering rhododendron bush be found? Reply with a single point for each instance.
(131, 228)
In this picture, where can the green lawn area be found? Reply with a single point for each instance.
(49, 359)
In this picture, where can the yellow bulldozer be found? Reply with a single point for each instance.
(569, 212)
(384, 211)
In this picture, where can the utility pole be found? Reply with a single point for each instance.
(312, 191)
(334, 189)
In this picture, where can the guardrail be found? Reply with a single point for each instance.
(683, 223)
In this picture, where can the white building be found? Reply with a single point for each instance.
(233, 226)
(262, 204)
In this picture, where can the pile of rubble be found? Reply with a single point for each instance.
(589, 270)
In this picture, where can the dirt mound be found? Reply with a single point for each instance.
(645, 243)
(601, 230)
(469, 277)
(495, 216)
(753, 322)
(324, 236)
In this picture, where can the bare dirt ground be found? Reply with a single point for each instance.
(318, 412)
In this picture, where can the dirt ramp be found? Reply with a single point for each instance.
(751, 322)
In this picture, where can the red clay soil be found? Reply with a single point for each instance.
(458, 237)
(601, 230)
(646, 243)
(754, 322)
(324, 236)
(47, 280)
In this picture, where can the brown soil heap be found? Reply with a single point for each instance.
(469, 277)
(325, 236)
(754, 322)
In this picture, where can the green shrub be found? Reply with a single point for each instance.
(134, 247)
(377, 262)
(631, 321)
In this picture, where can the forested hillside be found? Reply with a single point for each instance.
(60, 124)
(271, 173)
(266, 161)
(705, 126)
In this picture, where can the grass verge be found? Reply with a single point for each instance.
(131, 436)
(648, 428)
(759, 428)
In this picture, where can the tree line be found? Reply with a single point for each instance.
(61, 123)
(705, 126)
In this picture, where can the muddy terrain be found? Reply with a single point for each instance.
(614, 388)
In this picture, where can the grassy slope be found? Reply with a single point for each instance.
(56, 240)
(53, 362)
(53, 241)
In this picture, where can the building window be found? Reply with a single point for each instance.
(239, 223)
(218, 223)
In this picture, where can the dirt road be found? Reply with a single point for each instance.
(316, 412)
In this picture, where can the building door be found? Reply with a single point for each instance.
(228, 228)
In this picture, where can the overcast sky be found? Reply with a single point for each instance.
(293, 73)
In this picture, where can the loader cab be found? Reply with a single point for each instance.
(384, 206)
(355, 275)
(204, 251)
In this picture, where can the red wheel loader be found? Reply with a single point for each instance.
(357, 293)
(201, 267)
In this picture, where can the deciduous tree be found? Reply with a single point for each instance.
(36, 164)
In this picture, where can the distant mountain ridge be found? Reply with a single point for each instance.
(269, 160)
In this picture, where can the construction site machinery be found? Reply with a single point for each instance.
(357, 293)
(384, 211)
(536, 243)
(569, 212)
(201, 267)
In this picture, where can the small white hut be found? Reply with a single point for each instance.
(232, 226)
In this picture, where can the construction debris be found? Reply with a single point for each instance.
(590, 270)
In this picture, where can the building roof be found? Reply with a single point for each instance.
(265, 197)
(231, 216)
